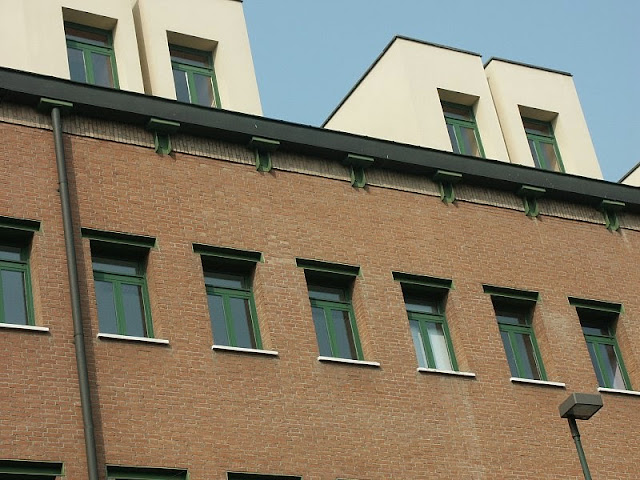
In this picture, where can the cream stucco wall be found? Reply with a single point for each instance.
(32, 35)
(633, 177)
(399, 98)
(214, 25)
(550, 96)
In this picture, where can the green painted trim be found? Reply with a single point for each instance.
(45, 105)
(21, 266)
(537, 139)
(328, 307)
(456, 123)
(512, 293)
(259, 476)
(228, 253)
(529, 191)
(35, 469)
(599, 305)
(162, 143)
(263, 160)
(327, 267)
(264, 144)
(609, 209)
(361, 161)
(433, 283)
(162, 126)
(358, 176)
(423, 320)
(87, 49)
(117, 472)
(530, 197)
(19, 224)
(445, 176)
(118, 238)
(191, 69)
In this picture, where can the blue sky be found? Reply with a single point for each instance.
(309, 53)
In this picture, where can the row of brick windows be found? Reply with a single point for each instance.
(123, 305)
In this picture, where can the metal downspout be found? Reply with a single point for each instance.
(78, 337)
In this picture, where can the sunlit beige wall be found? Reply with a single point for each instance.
(545, 95)
(214, 25)
(32, 35)
(399, 98)
(633, 177)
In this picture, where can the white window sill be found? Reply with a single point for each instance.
(256, 351)
(349, 361)
(30, 328)
(446, 372)
(544, 383)
(617, 390)
(129, 338)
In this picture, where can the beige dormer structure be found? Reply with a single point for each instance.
(128, 47)
(435, 96)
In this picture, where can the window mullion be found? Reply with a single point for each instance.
(536, 354)
(516, 352)
(623, 370)
(603, 371)
(88, 65)
(193, 94)
(456, 130)
(228, 318)
(121, 321)
(447, 336)
(2, 319)
(328, 318)
(254, 320)
(355, 333)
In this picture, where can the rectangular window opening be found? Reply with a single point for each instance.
(91, 56)
(543, 145)
(463, 129)
(194, 76)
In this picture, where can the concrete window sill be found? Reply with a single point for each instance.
(542, 383)
(446, 372)
(28, 328)
(254, 351)
(128, 338)
(617, 390)
(363, 363)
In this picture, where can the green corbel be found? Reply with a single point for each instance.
(263, 147)
(446, 181)
(530, 197)
(161, 134)
(47, 104)
(358, 164)
(609, 209)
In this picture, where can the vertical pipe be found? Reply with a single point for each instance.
(576, 438)
(76, 313)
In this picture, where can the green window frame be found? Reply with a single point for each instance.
(462, 129)
(330, 286)
(514, 312)
(543, 145)
(598, 321)
(16, 297)
(120, 282)
(194, 76)
(118, 472)
(259, 476)
(33, 470)
(91, 56)
(228, 278)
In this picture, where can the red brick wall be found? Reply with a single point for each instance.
(186, 406)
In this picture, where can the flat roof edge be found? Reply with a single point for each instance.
(528, 65)
(633, 169)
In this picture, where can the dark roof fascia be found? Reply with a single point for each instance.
(633, 169)
(379, 57)
(528, 65)
(134, 108)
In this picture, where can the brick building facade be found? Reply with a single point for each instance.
(283, 408)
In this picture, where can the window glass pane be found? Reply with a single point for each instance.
(324, 345)
(417, 343)
(241, 317)
(218, 324)
(611, 366)
(511, 318)
(11, 254)
(537, 128)
(439, 347)
(534, 154)
(344, 335)
(527, 357)
(191, 57)
(421, 304)
(102, 72)
(320, 292)
(592, 329)
(133, 310)
(594, 361)
(469, 141)
(452, 136)
(550, 157)
(123, 267)
(459, 112)
(13, 297)
(225, 280)
(182, 86)
(509, 351)
(76, 65)
(92, 37)
(106, 307)
(204, 89)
